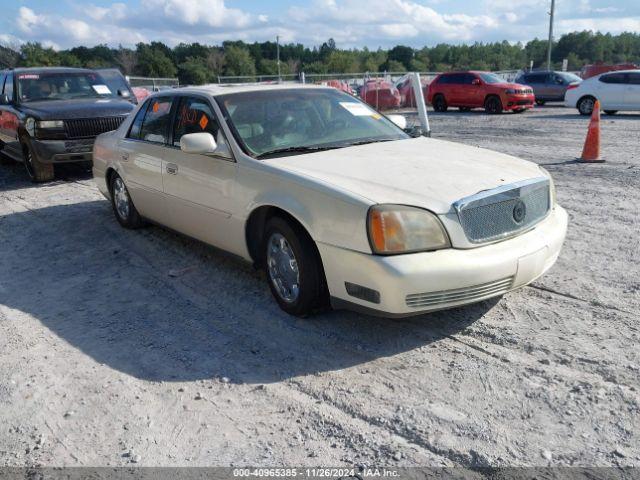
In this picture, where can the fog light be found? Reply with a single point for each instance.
(363, 293)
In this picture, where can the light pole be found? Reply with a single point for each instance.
(553, 7)
(278, 55)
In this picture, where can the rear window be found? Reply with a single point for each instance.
(155, 126)
(536, 78)
(614, 78)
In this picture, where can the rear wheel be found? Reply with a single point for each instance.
(611, 112)
(37, 171)
(440, 103)
(493, 105)
(540, 102)
(586, 105)
(293, 267)
(123, 206)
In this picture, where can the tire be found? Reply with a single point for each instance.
(540, 102)
(465, 109)
(611, 112)
(293, 267)
(585, 105)
(493, 105)
(440, 103)
(37, 171)
(123, 207)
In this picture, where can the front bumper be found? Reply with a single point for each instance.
(422, 282)
(63, 151)
(518, 102)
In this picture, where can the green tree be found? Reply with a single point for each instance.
(239, 62)
(194, 71)
(153, 62)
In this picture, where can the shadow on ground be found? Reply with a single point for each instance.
(110, 293)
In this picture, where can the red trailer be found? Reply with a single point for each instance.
(380, 94)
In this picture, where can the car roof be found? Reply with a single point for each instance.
(216, 89)
(52, 70)
(635, 70)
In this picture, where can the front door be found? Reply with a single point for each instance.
(199, 188)
(142, 152)
(612, 89)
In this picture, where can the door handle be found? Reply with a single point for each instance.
(125, 156)
(172, 168)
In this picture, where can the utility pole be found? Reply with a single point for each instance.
(553, 7)
(278, 55)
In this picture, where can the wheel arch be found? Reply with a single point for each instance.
(257, 220)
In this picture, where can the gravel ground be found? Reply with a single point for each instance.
(145, 348)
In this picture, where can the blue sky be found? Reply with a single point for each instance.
(352, 23)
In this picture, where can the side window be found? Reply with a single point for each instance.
(2, 77)
(633, 78)
(614, 78)
(194, 115)
(8, 86)
(155, 125)
(134, 131)
(468, 78)
(443, 80)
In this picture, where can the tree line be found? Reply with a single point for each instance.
(195, 63)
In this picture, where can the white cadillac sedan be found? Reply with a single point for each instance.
(616, 91)
(337, 203)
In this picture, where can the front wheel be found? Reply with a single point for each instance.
(123, 207)
(37, 171)
(493, 105)
(586, 105)
(293, 267)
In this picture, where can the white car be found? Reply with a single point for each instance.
(336, 202)
(619, 90)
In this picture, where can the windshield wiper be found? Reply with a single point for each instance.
(378, 140)
(294, 150)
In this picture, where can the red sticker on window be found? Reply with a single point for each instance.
(204, 121)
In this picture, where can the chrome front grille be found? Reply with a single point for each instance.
(459, 295)
(505, 211)
(91, 127)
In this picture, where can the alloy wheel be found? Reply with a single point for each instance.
(282, 267)
(121, 198)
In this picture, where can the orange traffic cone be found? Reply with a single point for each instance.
(591, 150)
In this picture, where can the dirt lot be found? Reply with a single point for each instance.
(142, 347)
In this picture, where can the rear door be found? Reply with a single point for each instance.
(456, 89)
(538, 82)
(612, 90)
(632, 95)
(199, 188)
(142, 151)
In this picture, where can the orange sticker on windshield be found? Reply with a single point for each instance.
(155, 107)
(204, 121)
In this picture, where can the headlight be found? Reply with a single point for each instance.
(49, 124)
(402, 229)
(30, 126)
(552, 186)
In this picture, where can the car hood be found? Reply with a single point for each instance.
(77, 108)
(510, 85)
(423, 172)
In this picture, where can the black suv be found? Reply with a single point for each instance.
(52, 115)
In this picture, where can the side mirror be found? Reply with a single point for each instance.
(124, 93)
(475, 81)
(4, 99)
(201, 143)
(399, 120)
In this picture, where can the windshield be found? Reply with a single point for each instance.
(570, 77)
(491, 78)
(301, 120)
(40, 86)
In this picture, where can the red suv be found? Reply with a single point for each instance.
(467, 90)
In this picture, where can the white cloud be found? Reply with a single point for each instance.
(352, 23)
